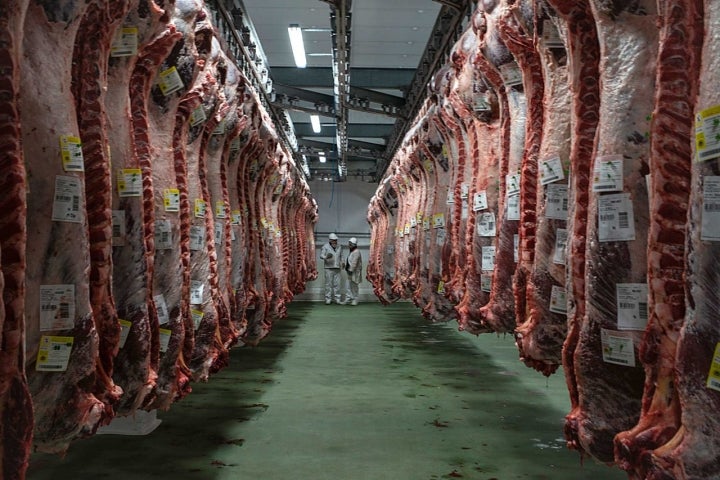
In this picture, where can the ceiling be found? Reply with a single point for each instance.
(388, 41)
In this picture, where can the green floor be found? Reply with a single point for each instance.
(340, 392)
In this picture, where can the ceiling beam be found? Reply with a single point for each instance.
(357, 130)
(322, 77)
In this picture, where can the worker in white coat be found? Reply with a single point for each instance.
(353, 267)
(331, 255)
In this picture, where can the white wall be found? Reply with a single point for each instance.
(343, 210)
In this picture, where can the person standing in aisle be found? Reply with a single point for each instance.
(353, 267)
(331, 255)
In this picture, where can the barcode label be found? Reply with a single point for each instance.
(66, 204)
(710, 222)
(118, 228)
(623, 220)
(615, 218)
(161, 309)
(57, 307)
(486, 225)
(556, 206)
(197, 238)
(632, 306)
(163, 235)
(551, 170)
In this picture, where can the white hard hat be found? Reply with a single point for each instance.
(332, 236)
(353, 241)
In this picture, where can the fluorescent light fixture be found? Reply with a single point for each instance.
(322, 158)
(298, 47)
(315, 122)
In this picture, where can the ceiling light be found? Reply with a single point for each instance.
(421, 11)
(315, 122)
(322, 158)
(298, 48)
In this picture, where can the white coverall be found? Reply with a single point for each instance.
(332, 258)
(354, 271)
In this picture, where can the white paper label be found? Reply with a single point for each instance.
(171, 199)
(617, 347)
(118, 228)
(557, 201)
(163, 235)
(439, 220)
(710, 225)
(486, 226)
(125, 327)
(464, 210)
(450, 196)
(486, 282)
(426, 223)
(632, 306)
(558, 300)
(66, 203)
(218, 233)
(235, 144)
(219, 128)
(512, 184)
(197, 316)
(616, 218)
(516, 247)
(71, 153)
(162, 310)
(54, 353)
(406, 230)
(480, 201)
(197, 238)
(608, 174)
(165, 335)
(413, 222)
(488, 259)
(561, 236)
(125, 42)
(511, 74)
(464, 190)
(170, 81)
(57, 307)
(196, 292)
(232, 234)
(551, 170)
(551, 36)
(513, 207)
(440, 237)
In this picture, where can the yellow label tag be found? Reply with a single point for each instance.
(707, 134)
(125, 327)
(171, 199)
(129, 182)
(71, 152)
(713, 380)
(441, 288)
(438, 220)
(419, 217)
(220, 209)
(170, 81)
(197, 316)
(54, 353)
(264, 222)
(444, 151)
(200, 208)
(236, 215)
